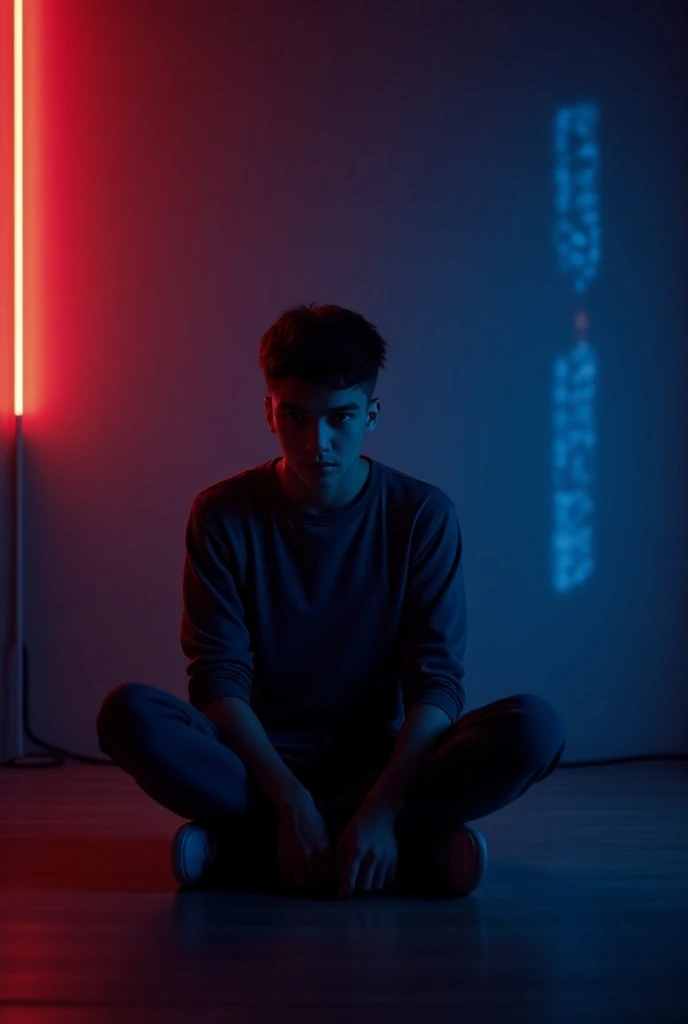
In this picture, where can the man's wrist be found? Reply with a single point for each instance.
(291, 795)
(381, 802)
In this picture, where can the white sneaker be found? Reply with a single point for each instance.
(458, 860)
(194, 853)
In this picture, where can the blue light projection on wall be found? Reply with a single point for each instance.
(577, 244)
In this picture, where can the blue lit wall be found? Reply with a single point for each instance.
(499, 186)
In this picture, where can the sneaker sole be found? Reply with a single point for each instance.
(190, 854)
(480, 847)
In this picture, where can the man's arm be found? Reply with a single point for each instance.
(434, 643)
(238, 723)
(216, 640)
(421, 729)
(214, 634)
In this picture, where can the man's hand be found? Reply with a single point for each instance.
(304, 845)
(366, 853)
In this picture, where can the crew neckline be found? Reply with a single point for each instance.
(332, 516)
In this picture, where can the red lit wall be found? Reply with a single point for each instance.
(193, 167)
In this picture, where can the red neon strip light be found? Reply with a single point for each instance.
(18, 208)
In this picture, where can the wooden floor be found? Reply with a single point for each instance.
(583, 917)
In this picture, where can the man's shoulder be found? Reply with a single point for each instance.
(419, 493)
(404, 494)
(231, 493)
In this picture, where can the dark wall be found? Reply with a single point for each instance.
(196, 166)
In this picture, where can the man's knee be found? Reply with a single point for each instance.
(120, 708)
(539, 731)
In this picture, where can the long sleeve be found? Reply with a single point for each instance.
(435, 617)
(324, 623)
(214, 636)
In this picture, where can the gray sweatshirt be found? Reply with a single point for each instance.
(327, 623)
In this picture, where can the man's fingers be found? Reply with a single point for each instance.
(327, 868)
(317, 871)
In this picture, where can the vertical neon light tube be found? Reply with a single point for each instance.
(577, 243)
(18, 208)
(16, 732)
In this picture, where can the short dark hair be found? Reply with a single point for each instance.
(326, 345)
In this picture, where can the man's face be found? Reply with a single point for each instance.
(319, 425)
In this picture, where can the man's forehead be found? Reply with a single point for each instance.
(316, 399)
(315, 407)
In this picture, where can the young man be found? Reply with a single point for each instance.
(324, 624)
